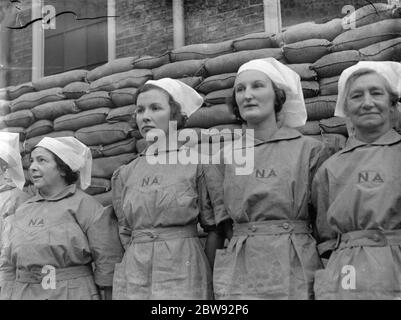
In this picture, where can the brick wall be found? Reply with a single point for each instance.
(20, 46)
(146, 26)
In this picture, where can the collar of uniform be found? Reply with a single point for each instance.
(6, 187)
(389, 138)
(283, 133)
(67, 191)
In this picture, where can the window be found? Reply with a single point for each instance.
(76, 44)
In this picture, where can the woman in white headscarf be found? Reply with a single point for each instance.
(11, 177)
(357, 193)
(160, 204)
(271, 253)
(53, 239)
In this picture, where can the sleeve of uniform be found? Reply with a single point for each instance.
(214, 177)
(7, 268)
(104, 243)
(206, 216)
(326, 237)
(124, 229)
(319, 154)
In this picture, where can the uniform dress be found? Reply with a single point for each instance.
(272, 254)
(357, 194)
(158, 208)
(65, 233)
(10, 199)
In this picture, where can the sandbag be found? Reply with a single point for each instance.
(374, 12)
(334, 125)
(201, 51)
(310, 127)
(105, 167)
(52, 110)
(4, 107)
(59, 80)
(310, 88)
(329, 86)
(310, 30)
(193, 82)
(105, 199)
(364, 36)
(334, 63)
(133, 78)
(207, 117)
(115, 66)
(304, 70)
(180, 69)
(149, 62)
(217, 82)
(122, 114)
(320, 107)
(80, 120)
(141, 145)
(105, 133)
(120, 147)
(231, 62)
(33, 99)
(306, 51)
(219, 96)
(382, 51)
(16, 91)
(4, 94)
(39, 128)
(23, 118)
(76, 90)
(124, 97)
(30, 143)
(255, 41)
(19, 130)
(98, 185)
(94, 100)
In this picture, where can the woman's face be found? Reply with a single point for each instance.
(368, 103)
(153, 111)
(44, 171)
(254, 95)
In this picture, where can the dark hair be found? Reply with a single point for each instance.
(175, 108)
(279, 100)
(69, 176)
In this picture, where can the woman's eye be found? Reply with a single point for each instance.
(239, 89)
(258, 85)
(155, 108)
(139, 110)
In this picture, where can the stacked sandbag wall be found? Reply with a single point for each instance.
(96, 106)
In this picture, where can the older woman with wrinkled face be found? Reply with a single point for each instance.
(357, 192)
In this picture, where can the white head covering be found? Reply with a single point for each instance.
(9, 152)
(74, 153)
(286, 79)
(390, 70)
(186, 96)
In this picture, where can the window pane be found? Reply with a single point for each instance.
(75, 49)
(54, 54)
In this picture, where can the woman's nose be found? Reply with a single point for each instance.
(248, 93)
(368, 101)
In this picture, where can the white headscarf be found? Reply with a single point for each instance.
(74, 153)
(390, 70)
(9, 152)
(286, 79)
(186, 96)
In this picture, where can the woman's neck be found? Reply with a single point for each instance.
(370, 136)
(264, 130)
(51, 191)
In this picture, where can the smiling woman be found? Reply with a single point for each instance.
(357, 192)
